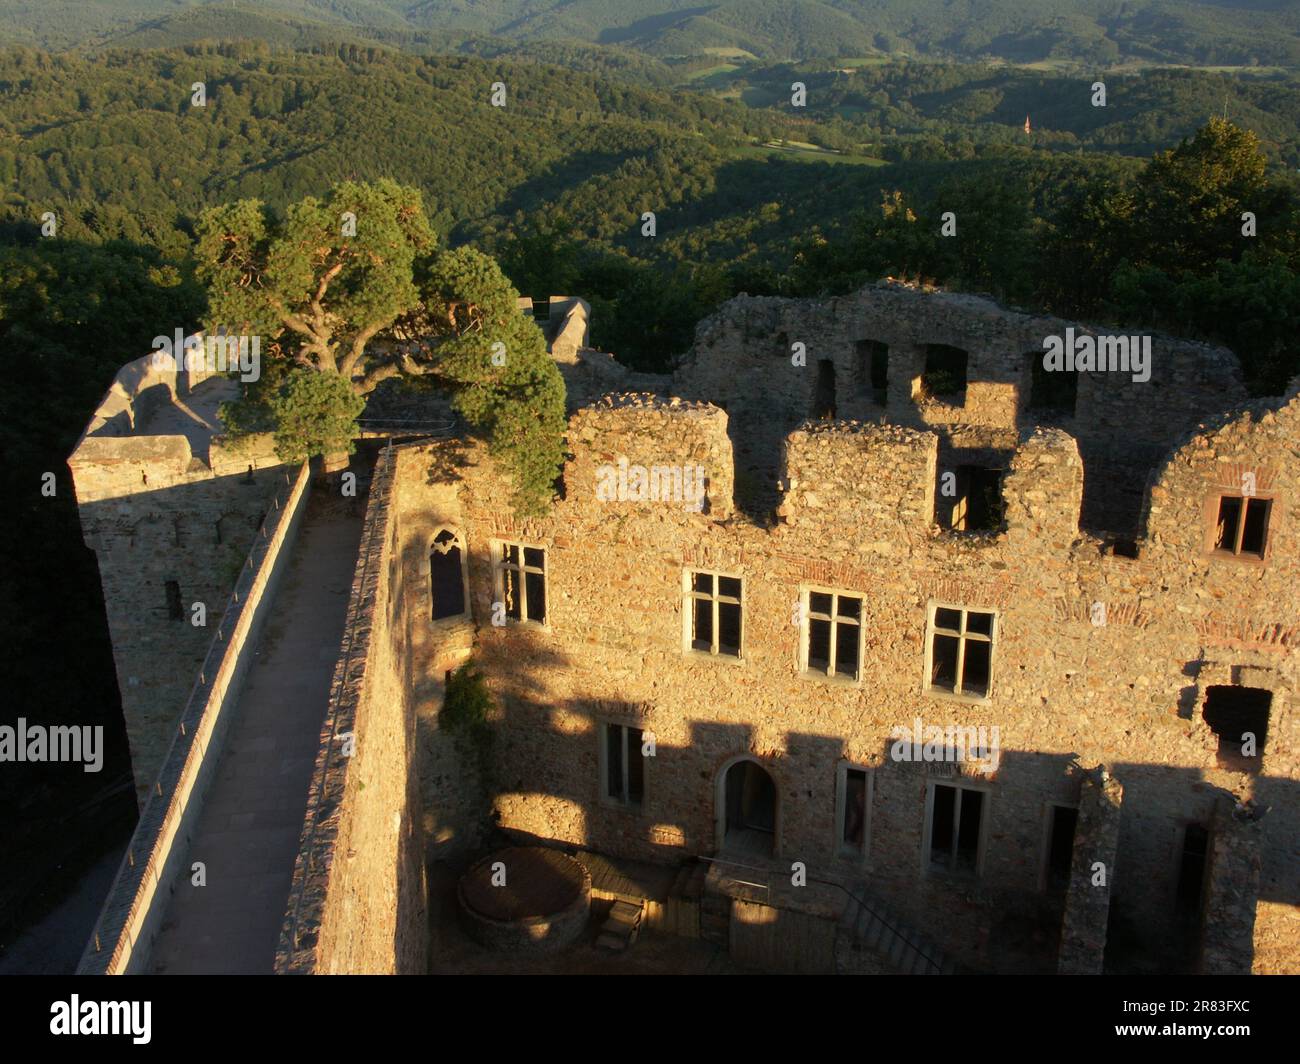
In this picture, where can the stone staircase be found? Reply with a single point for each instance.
(715, 919)
(620, 929)
(871, 940)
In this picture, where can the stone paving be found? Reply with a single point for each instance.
(248, 834)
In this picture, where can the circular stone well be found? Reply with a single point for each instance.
(542, 905)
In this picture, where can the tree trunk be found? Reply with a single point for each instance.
(334, 464)
(332, 468)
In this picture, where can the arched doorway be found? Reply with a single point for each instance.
(747, 809)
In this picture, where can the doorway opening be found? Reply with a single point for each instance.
(824, 396)
(748, 810)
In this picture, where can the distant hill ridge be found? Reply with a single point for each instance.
(1098, 32)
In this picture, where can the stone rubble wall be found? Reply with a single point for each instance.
(158, 851)
(155, 510)
(1232, 886)
(588, 374)
(741, 359)
(1092, 870)
(1065, 692)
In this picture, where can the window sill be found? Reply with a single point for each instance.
(1240, 559)
(536, 626)
(691, 654)
(943, 694)
(945, 874)
(853, 859)
(837, 680)
(615, 806)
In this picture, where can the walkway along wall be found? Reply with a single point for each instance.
(357, 903)
(159, 848)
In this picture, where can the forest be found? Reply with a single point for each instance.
(1096, 32)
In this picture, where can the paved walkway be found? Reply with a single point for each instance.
(247, 835)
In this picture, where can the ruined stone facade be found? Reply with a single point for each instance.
(1064, 691)
(864, 357)
(729, 674)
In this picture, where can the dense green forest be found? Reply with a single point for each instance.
(555, 182)
(1097, 32)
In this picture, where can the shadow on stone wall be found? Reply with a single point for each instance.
(544, 785)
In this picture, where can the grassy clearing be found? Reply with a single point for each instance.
(809, 154)
(721, 70)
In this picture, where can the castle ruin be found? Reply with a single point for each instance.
(950, 668)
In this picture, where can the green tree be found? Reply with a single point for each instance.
(323, 281)
(369, 301)
(468, 331)
(315, 414)
(1189, 200)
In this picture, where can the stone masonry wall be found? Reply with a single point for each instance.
(741, 360)
(1066, 691)
(161, 499)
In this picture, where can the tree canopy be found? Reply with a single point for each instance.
(352, 288)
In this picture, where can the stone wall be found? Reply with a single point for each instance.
(742, 360)
(588, 374)
(163, 498)
(1066, 691)
(137, 901)
(357, 903)
(1087, 904)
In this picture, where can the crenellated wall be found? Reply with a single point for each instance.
(742, 360)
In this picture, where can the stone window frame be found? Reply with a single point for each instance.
(920, 394)
(1210, 521)
(604, 798)
(839, 849)
(720, 800)
(994, 639)
(499, 566)
(1045, 839)
(458, 540)
(690, 595)
(928, 868)
(806, 591)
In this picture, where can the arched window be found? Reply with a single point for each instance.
(447, 575)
